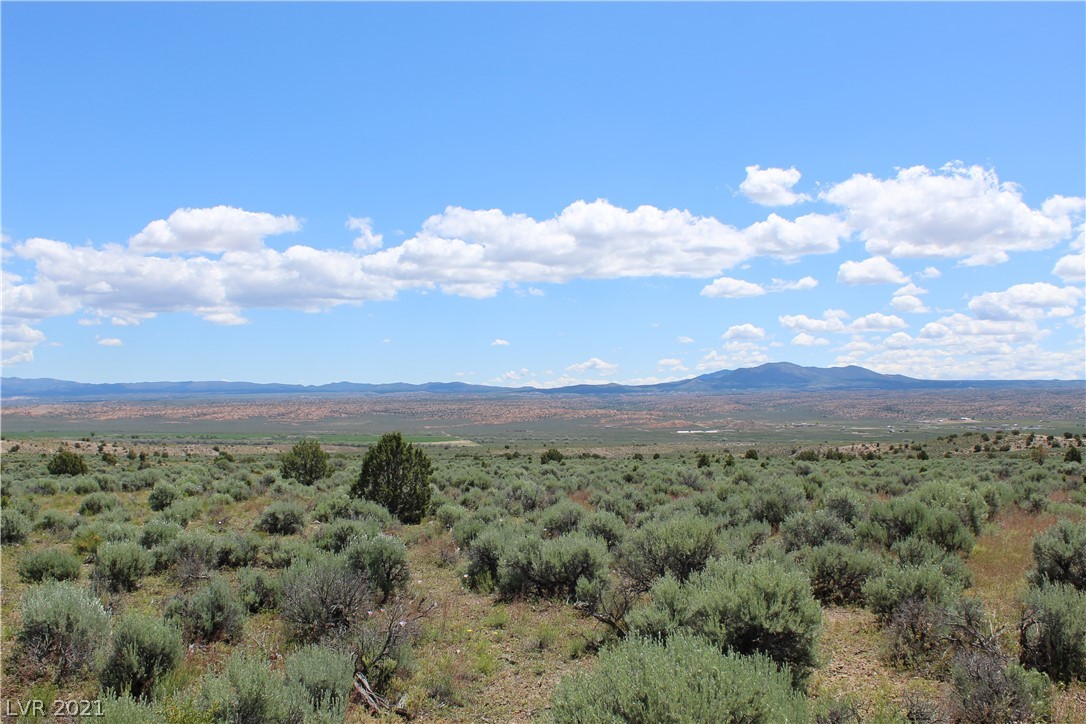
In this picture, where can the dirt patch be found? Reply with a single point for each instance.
(1002, 557)
(854, 667)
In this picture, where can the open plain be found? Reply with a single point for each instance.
(197, 490)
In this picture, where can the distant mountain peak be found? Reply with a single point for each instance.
(768, 376)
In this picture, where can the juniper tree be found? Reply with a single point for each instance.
(306, 462)
(396, 474)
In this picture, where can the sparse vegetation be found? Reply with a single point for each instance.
(811, 569)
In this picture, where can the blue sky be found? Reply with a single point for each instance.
(541, 193)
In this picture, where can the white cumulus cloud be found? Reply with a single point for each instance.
(217, 229)
(110, 342)
(930, 272)
(19, 341)
(671, 364)
(876, 270)
(782, 285)
(744, 331)
(957, 211)
(366, 238)
(877, 322)
(909, 304)
(1071, 268)
(790, 240)
(831, 321)
(594, 363)
(772, 186)
(499, 343)
(735, 354)
(907, 299)
(730, 288)
(803, 339)
(1027, 301)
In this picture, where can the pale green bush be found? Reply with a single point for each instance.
(62, 623)
(686, 680)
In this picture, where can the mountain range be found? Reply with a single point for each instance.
(771, 376)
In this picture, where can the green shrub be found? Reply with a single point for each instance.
(551, 455)
(810, 529)
(946, 530)
(686, 680)
(1060, 553)
(895, 586)
(838, 573)
(524, 495)
(773, 501)
(235, 490)
(162, 496)
(282, 518)
(95, 503)
(14, 527)
(678, 546)
(915, 551)
(120, 566)
(124, 709)
(449, 514)
(551, 568)
(322, 598)
(183, 510)
(383, 560)
(988, 689)
(67, 462)
(158, 533)
(44, 486)
(62, 623)
(745, 542)
(340, 534)
(465, 530)
(188, 550)
(742, 608)
(144, 650)
(562, 517)
(897, 519)
(518, 558)
(247, 692)
(210, 614)
(606, 525)
(258, 590)
(485, 554)
(55, 522)
(89, 536)
(145, 478)
(82, 486)
(325, 676)
(236, 550)
(1053, 632)
(911, 516)
(24, 504)
(50, 564)
(565, 561)
(343, 507)
(279, 553)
